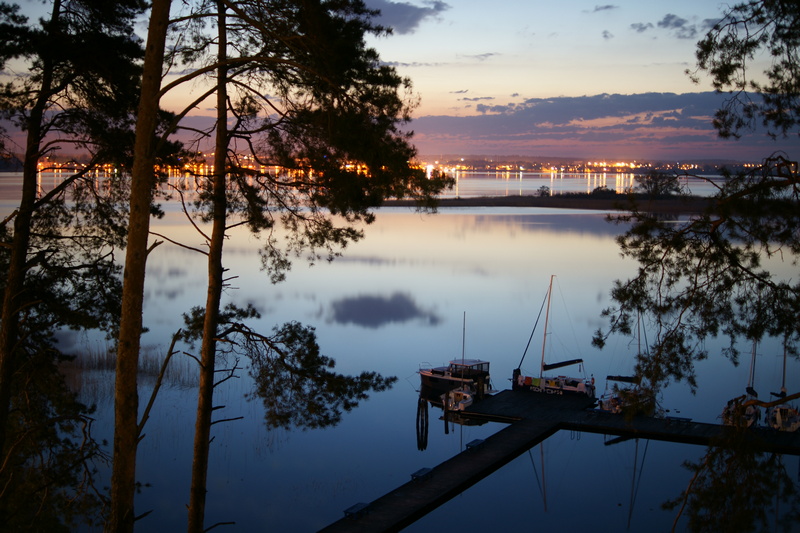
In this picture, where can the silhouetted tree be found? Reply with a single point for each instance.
(77, 93)
(656, 184)
(713, 274)
(716, 273)
(333, 131)
(766, 30)
(126, 399)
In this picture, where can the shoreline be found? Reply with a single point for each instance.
(676, 204)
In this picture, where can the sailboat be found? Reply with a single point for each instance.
(552, 385)
(625, 394)
(630, 399)
(783, 417)
(734, 414)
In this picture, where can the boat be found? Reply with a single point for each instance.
(467, 380)
(466, 376)
(560, 384)
(626, 395)
(458, 399)
(631, 399)
(742, 411)
(784, 416)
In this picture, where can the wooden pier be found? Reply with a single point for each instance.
(533, 418)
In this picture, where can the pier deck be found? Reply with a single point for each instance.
(533, 418)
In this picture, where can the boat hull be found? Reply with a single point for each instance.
(555, 385)
(471, 376)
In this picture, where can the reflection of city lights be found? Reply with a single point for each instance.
(200, 165)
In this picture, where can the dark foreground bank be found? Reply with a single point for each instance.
(671, 204)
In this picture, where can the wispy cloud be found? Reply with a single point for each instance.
(411, 64)
(482, 57)
(403, 17)
(607, 7)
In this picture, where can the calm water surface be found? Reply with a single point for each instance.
(486, 268)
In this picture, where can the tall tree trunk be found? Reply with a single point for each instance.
(13, 299)
(126, 399)
(208, 351)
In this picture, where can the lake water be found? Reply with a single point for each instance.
(473, 280)
(484, 183)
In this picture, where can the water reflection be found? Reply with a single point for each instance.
(736, 488)
(425, 271)
(377, 311)
(492, 264)
(297, 385)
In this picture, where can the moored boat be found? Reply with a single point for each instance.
(560, 384)
(784, 416)
(466, 375)
(458, 399)
(742, 411)
(629, 398)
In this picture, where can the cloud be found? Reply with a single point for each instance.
(607, 35)
(649, 125)
(494, 109)
(708, 24)
(641, 27)
(403, 17)
(477, 98)
(672, 21)
(607, 7)
(377, 311)
(410, 65)
(681, 26)
(483, 57)
(462, 91)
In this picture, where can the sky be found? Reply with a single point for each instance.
(567, 78)
(572, 79)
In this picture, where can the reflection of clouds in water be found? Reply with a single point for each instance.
(368, 260)
(377, 311)
(578, 223)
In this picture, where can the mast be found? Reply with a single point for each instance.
(783, 380)
(546, 320)
(750, 390)
(463, 337)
